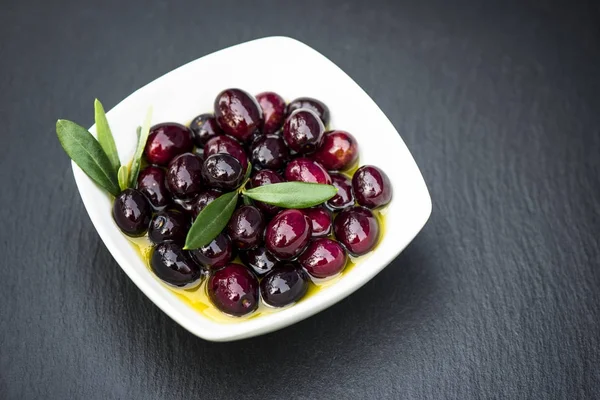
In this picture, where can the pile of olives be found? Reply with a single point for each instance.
(281, 250)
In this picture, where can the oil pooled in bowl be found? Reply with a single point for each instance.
(197, 298)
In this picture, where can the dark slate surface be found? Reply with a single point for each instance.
(498, 297)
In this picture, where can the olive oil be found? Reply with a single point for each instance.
(197, 298)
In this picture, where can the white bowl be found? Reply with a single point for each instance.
(291, 69)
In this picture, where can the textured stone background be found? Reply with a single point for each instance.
(498, 297)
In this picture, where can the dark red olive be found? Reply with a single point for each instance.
(226, 145)
(288, 234)
(259, 259)
(306, 170)
(186, 206)
(132, 212)
(169, 226)
(222, 171)
(174, 266)
(151, 182)
(274, 111)
(344, 196)
(184, 176)
(233, 289)
(204, 127)
(284, 285)
(320, 219)
(357, 229)
(253, 138)
(314, 105)
(246, 227)
(303, 131)
(371, 186)
(166, 141)
(216, 254)
(266, 177)
(323, 258)
(237, 113)
(269, 152)
(338, 151)
(204, 198)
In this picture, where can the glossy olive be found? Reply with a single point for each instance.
(204, 198)
(269, 152)
(284, 285)
(314, 105)
(266, 177)
(303, 131)
(186, 206)
(238, 113)
(306, 170)
(216, 254)
(233, 289)
(174, 266)
(253, 138)
(204, 127)
(259, 259)
(344, 197)
(184, 176)
(288, 234)
(323, 258)
(228, 145)
(357, 229)
(246, 226)
(166, 141)
(321, 221)
(371, 186)
(338, 151)
(274, 111)
(222, 171)
(151, 182)
(132, 212)
(169, 226)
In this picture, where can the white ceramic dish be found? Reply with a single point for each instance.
(292, 69)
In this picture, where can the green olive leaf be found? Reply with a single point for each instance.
(123, 177)
(86, 152)
(104, 134)
(211, 221)
(247, 200)
(245, 181)
(139, 150)
(248, 172)
(292, 194)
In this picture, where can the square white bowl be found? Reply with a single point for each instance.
(291, 69)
